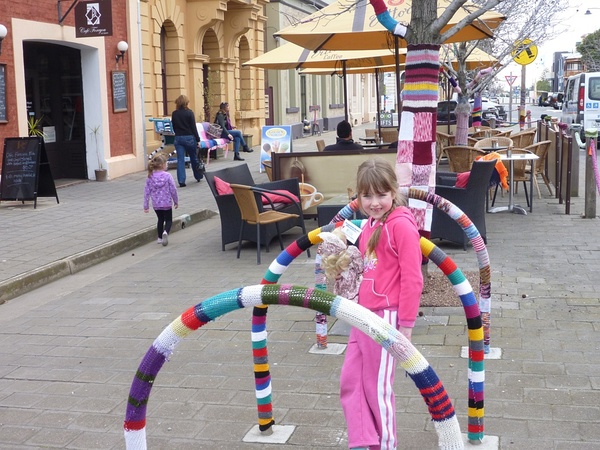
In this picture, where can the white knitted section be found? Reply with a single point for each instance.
(476, 376)
(264, 392)
(166, 342)
(485, 304)
(277, 268)
(400, 30)
(251, 295)
(136, 439)
(259, 336)
(449, 437)
(463, 288)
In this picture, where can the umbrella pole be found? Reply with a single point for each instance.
(398, 93)
(345, 89)
(378, 120)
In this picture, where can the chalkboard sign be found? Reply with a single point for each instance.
(26, 171)
(119, 90)
(3, 117)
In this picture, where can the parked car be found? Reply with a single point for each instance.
(445, 111)
(490, 109)
(555, 99)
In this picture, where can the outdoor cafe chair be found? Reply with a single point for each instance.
(488, 142)
(461, 157)
(248, 198)
(524, 138)
(541, 150)
(442, 140)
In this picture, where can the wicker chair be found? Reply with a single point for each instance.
(320, 145)
(442, 140)
(541, 150)
(472, 130)
(487, 142)
(248, 198)
(524, 138)
(505, 133)
(389, 134)
(460, 157)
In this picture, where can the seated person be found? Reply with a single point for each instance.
(344, 139)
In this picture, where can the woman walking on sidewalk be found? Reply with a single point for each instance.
(230, 132)
(186, 139)
(160, 187)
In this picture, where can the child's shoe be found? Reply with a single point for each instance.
(165, 239)
(159, 241)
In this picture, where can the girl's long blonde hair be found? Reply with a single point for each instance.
(377, 176)
(156, 163)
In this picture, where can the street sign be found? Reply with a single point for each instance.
(524, 52)
(510, 79)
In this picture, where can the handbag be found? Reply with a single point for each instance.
(214, 131)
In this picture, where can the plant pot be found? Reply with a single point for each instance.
(101, 174)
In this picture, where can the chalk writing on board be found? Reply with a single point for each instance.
(119, 86)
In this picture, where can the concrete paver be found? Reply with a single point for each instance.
(69, 350)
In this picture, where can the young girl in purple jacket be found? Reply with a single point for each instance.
(160, 187)
(391, 288)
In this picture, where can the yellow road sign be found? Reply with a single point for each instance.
(524, 52)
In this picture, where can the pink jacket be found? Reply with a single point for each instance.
(392, 278)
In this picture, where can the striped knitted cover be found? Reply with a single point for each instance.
(415, 161)
(476, 111)
(432, 390)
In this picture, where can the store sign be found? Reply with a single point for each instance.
(93, 18)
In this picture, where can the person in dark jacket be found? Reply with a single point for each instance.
(344, 139)
(229, 132)
(186, 139)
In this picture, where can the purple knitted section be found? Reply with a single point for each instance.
(142, 384)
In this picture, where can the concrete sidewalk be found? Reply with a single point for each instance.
(70, 349)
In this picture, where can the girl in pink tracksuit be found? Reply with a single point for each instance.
(391, 288)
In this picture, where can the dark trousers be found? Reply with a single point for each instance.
(165, 220)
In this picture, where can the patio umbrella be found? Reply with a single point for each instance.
(292, 56)
(351, 25)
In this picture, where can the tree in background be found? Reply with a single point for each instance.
(520, 24)
(589, 48)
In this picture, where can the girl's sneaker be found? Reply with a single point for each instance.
(159, 241)
(165, 239)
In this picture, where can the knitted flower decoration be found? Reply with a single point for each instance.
(342, 264)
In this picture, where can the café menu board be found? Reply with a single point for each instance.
(3, 117)
(26, 171)
(119, 90)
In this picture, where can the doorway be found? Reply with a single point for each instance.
(54, 91)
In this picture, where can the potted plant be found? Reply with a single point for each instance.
(33, 127)
(101, 172)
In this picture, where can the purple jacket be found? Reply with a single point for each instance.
(160, 186)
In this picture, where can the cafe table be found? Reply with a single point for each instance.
(511, 158)
(369, 140)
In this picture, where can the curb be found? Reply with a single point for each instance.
(28, 281)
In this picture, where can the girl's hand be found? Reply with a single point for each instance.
(407, 332)
(146, 211)
(176, 205)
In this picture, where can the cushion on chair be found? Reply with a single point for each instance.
(462, 179)
(223, 187)
(275, 198)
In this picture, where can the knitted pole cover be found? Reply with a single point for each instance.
(415, 161)
(431, 389)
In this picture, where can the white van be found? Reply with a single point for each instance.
(581, 102)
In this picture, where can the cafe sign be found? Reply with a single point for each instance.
(93, 18)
